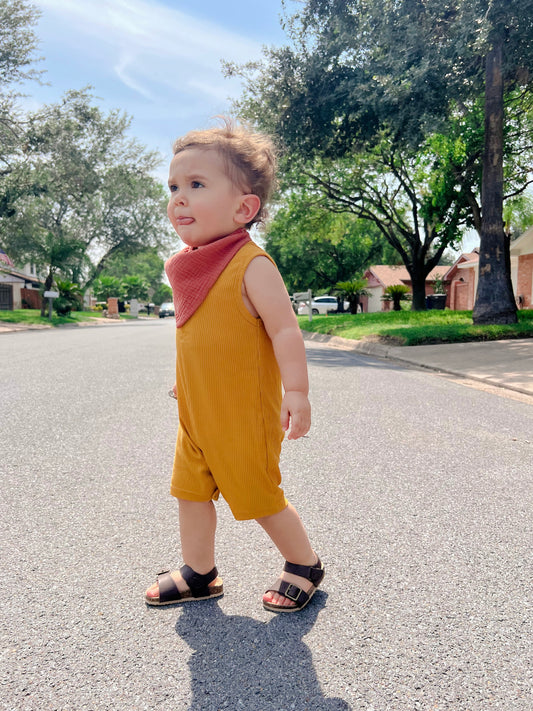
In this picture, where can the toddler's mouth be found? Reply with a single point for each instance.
(184, 220)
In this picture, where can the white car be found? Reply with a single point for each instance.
(320, 305)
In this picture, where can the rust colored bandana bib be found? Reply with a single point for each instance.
(194, 270)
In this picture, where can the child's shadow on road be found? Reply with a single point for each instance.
(242, 663)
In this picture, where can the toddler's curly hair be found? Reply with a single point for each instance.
(249, 157)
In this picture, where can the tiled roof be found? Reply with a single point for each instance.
(389, 275)
(464, 258)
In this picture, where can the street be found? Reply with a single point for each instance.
(416, 492)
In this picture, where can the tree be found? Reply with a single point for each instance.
(358, 69)
(147, 265)
(18, 45)
(518, 215)
(70, 297)
(107, 287)
(494, 299)
(315, 247)
(352, 291)
(397, 293)
(161, 294)
(60, 255)
(18, 42)
(95, 189)
(367, 173)
(404, 195)
(134, 287)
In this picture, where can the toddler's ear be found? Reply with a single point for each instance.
(249, 207)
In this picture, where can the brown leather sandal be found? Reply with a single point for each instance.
(313, 573)
(199, 588)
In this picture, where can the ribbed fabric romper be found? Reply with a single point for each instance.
(229, 400)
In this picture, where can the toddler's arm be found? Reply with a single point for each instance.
(266, 292)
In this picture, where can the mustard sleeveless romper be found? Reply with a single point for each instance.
(229, 399)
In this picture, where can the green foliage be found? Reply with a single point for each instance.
(128, 287)
(355, 287)
(396, 289)
(18, 42)
(518, 214)
(315, 247)
(387, 96)
(352, 291)
(396, 293)
(87, 184)
(438, 285)
(107, 287)
(147, 265)
(161, 294)
(411, 328)
(70, 297)
(134, 287)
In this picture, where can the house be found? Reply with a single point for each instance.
(461, 282)
(522, 269)
(462, 277)
(18, 288)
(380, 276)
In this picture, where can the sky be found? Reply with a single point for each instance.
(157, 60)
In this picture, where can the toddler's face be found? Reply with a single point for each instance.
(204, 203)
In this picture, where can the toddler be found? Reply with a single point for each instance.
(237, 342)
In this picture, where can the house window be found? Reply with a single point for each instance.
(6, 297)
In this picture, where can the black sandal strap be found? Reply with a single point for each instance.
(313, 573)
(293, 592)
(197, 583)
(168, 590)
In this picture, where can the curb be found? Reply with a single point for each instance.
(394, 353)
(365, 347)
(7, 327)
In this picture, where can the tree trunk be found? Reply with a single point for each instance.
(418, 282)
(47, 287)
(495, 301)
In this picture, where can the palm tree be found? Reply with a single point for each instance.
(396, 292)
(352, 291)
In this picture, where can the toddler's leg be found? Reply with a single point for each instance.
(198, 522)
(289, 535)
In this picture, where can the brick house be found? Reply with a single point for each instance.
(19, 289)
(461, 278)
(522, 269)
(461, 282)
(380, 276)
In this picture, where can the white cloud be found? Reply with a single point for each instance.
(121, 70)
(153, 47)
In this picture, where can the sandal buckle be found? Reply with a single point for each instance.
(291, 596)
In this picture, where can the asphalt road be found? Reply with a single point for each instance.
(416, 492)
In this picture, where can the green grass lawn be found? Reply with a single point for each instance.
(407, 328)
(33, 316)
(411, 328)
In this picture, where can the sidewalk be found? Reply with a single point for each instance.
(505, 364)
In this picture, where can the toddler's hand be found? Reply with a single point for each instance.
(296, 409)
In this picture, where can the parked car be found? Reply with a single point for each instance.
(166, 309)
(321, 305)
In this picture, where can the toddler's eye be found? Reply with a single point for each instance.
(196, 184)
(172, 188)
